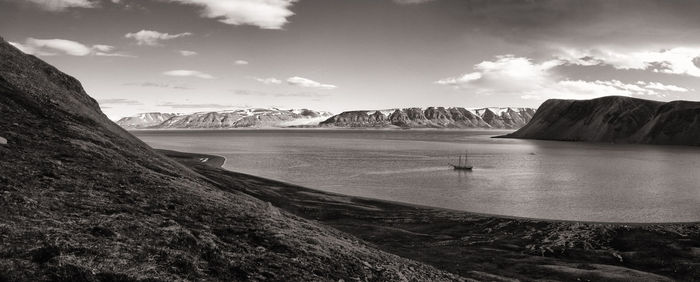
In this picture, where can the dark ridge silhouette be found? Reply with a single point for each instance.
(615, 119)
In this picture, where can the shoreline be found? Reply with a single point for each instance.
(218, 161)
(474, 245)
(325, 128)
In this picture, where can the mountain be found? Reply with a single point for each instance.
(243, 118)
(84, 200)
(144, 120)
(434, 117)
(615, 119)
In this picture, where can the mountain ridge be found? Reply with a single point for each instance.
(239, 118)
(615, 119)
(434, 117)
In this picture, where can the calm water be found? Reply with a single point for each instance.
(526, 178)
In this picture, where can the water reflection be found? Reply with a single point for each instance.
(542, 179)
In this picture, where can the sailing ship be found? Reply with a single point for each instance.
(462, 165)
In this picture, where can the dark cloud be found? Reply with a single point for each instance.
(589, 22)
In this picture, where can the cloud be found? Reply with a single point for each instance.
(103, 48)
(265, 14)
(521, 77)
(269, 80)
(663, 87)
(199, 106)
(242, 92)
(21, 47)
(680, 60)
(60, 5)
(158, 85)
(118, 101)
(308, 83)
(408, 2)
(187, 53)
(191, 73)
(52, 47)
(153, 38)
(518, 73)
(240, 62)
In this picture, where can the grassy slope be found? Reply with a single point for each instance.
(83, 200)
(477, 246)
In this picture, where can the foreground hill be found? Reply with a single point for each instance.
(243, 118)
(615, 119)
(83, 200)
(434, 117)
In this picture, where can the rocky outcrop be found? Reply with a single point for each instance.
(434, 117)
(81, 199)
(615, 119)
(244, 118)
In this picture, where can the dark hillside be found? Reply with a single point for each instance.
(615, 119)
(83, 200)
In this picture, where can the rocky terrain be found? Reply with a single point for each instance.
(615, 119)
(434, 117)
(242, 118)
(84, 200)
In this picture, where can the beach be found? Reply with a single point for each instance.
(478, 246)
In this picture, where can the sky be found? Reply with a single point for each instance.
(182, 56)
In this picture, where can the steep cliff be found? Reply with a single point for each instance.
(615, 119)
(84, 200)
(434, 117)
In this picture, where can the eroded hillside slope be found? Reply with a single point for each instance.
(83, 200)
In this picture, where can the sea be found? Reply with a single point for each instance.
(595, 182)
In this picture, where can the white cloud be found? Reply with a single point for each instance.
(456, 81)
(269, 80)
(60, 5)
(680, 60)
(190, 73)
(103, 48)
(266, 14)
(406, 2)
(187, 53)
(521, 77)
(518, 72)
(21, 47)
(308, 83)
(56, 46)
(153, 38)
(52, 47)
(241, 62)
(663, 87)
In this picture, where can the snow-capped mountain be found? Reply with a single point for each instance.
(434, 117)
(144, 120)
(242, 118)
